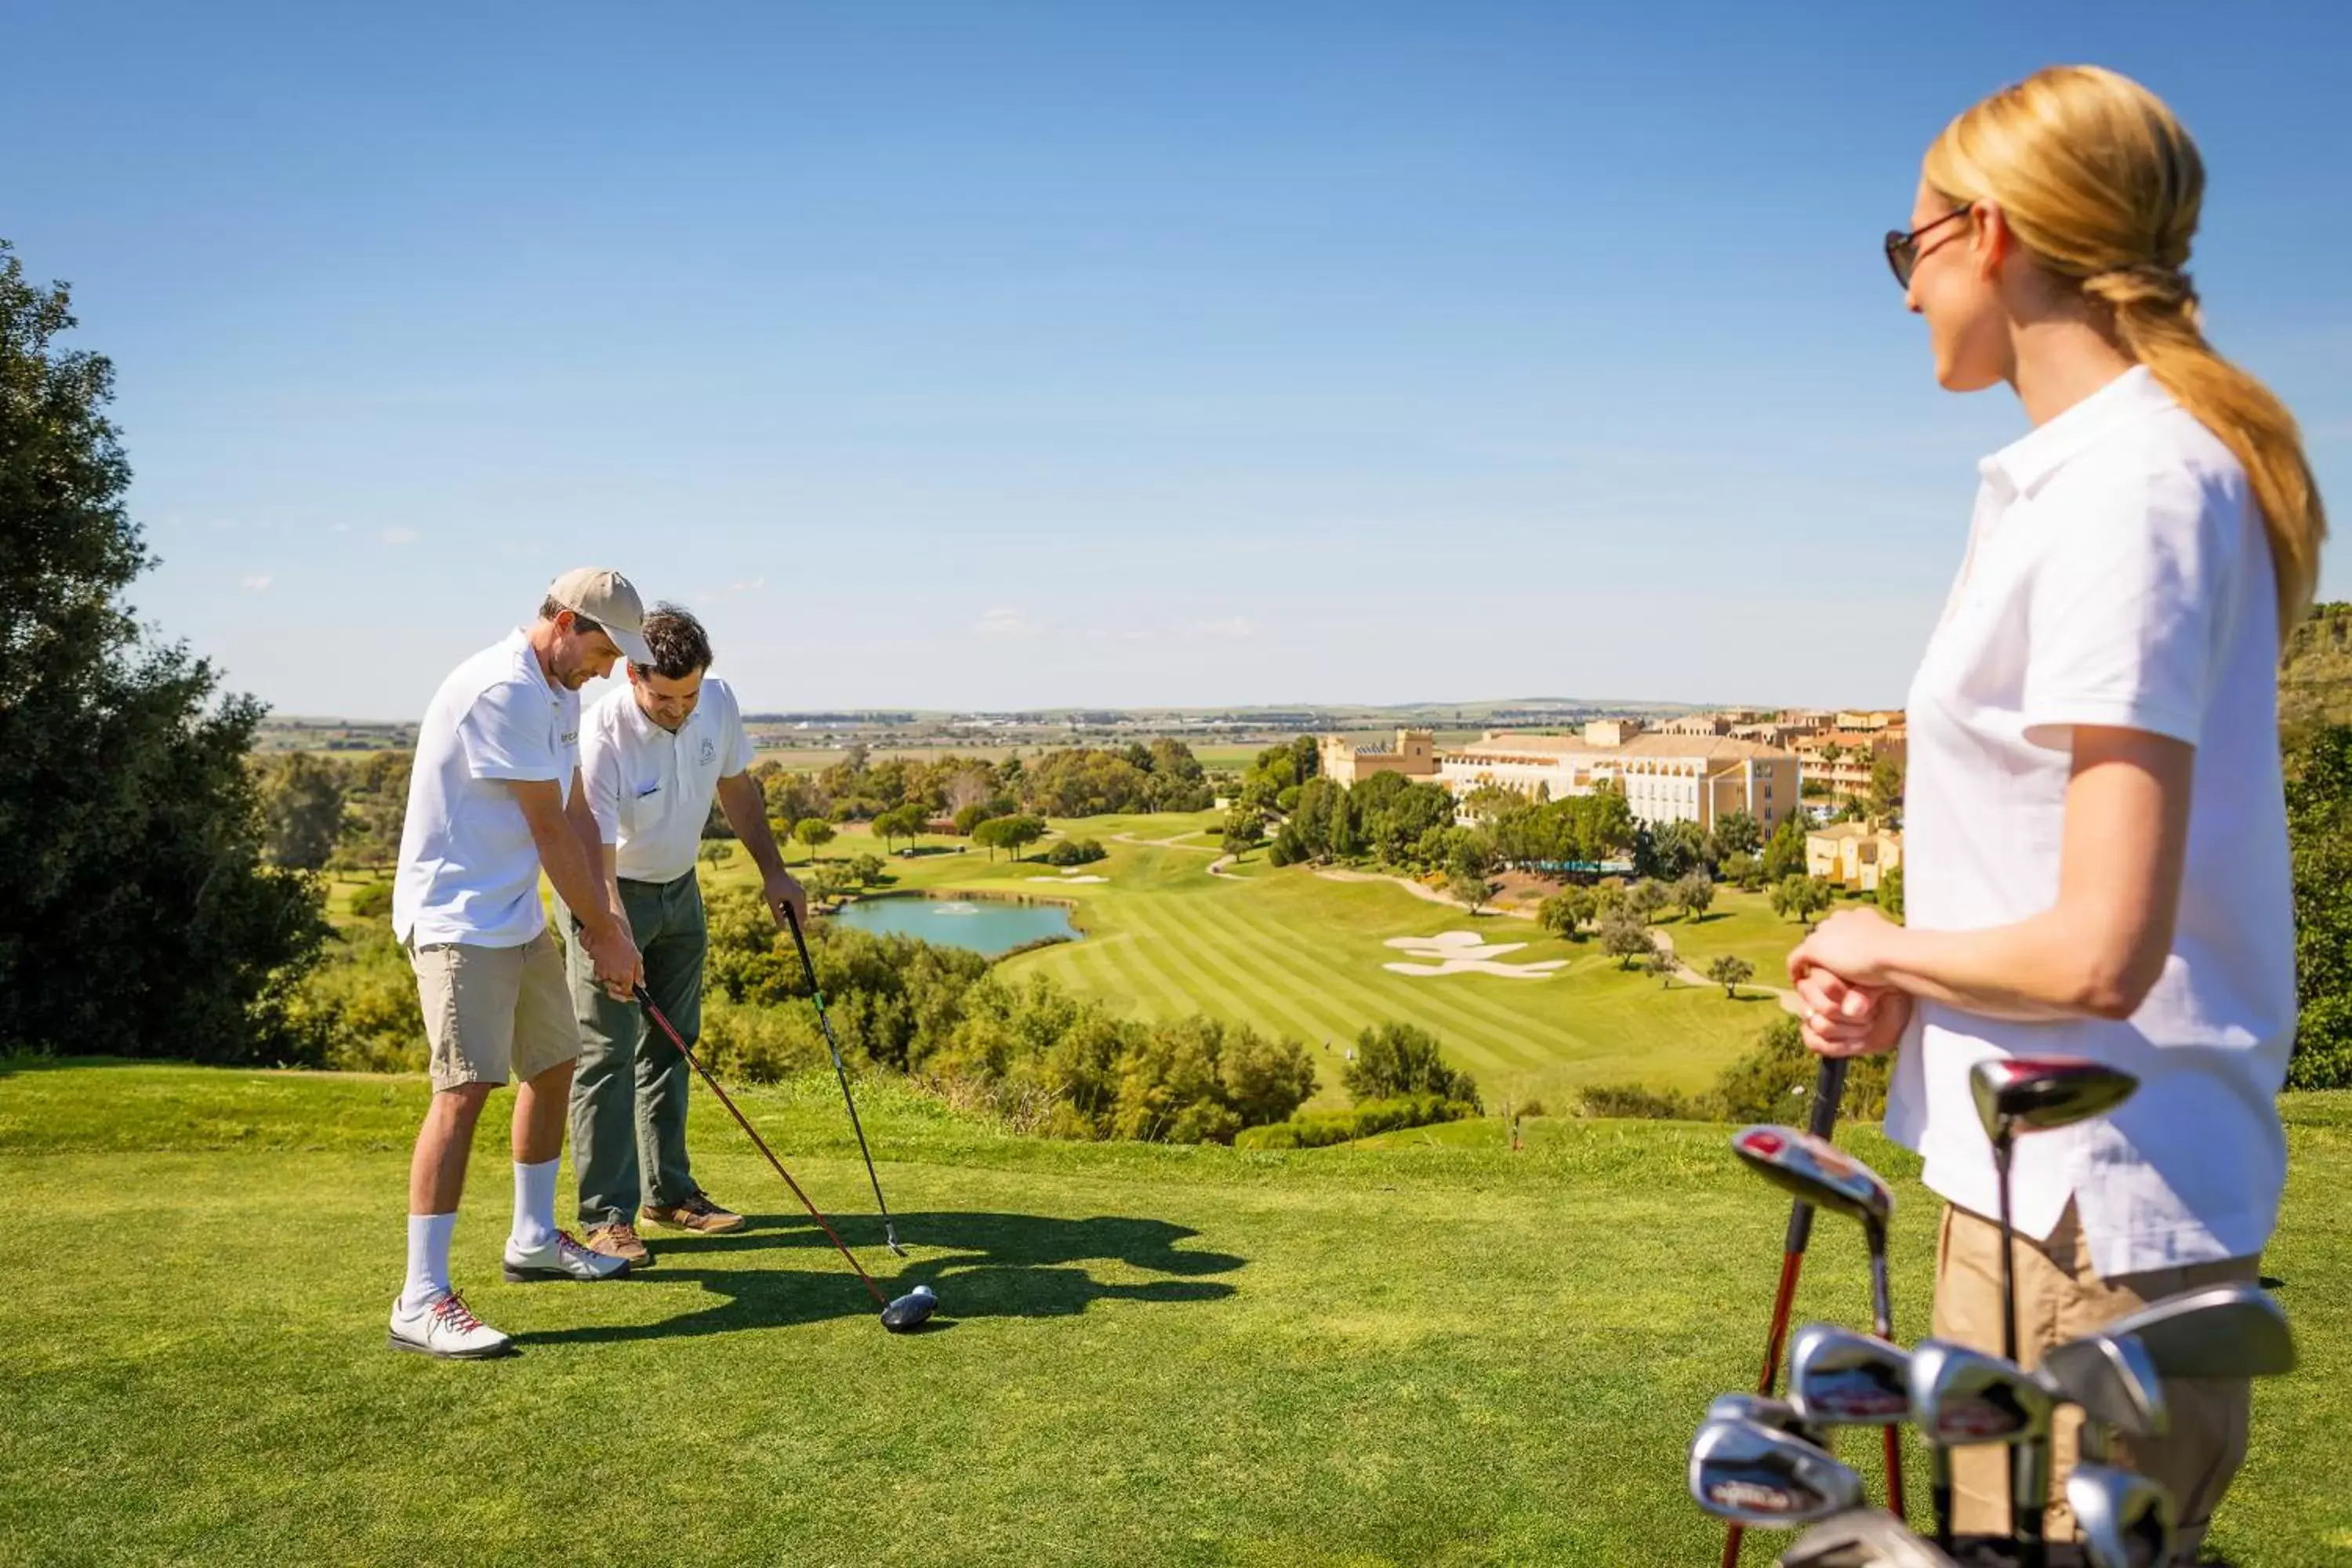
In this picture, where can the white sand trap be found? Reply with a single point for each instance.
(1066, 881)
(1466, 952)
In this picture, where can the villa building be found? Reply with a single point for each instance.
(1664, 778)
(1854, 855)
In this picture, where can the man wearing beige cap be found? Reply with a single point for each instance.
(494, 798)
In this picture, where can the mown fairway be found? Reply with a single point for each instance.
(1295, 953)
(1410, 1355)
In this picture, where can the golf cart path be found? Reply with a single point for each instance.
(1684, 972)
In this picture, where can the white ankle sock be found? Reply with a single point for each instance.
(428, 1260)
(534, 1214)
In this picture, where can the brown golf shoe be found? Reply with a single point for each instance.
(619, 1241)
(697, 1213)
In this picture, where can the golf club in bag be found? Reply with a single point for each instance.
(889, 1227)
(1829, 1088)
(909, 1311)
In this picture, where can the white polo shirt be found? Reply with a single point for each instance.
(469, 870)
(2116, 575)
(651, 790)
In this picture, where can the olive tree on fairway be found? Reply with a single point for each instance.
(1695, 890)
(1625, 937)
(1800, 899)
(814, 831)
(1731, 974)
(138, 914)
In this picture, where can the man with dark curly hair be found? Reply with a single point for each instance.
(654, 752)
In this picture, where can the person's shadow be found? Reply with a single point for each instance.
(995, 1265)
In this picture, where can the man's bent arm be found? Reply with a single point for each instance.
(564, 851)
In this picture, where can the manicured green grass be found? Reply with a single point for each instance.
(1743, 925)
(1297, 955)
(1415, 1356)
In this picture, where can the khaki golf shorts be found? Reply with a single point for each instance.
(494, 1012)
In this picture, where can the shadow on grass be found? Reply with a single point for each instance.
(995, 1265)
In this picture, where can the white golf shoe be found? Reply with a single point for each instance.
(447, 1330)
(561, 1258)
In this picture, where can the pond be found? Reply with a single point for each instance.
(989, 926)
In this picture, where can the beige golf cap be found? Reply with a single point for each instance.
(609, 599)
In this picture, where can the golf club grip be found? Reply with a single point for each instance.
(1820, 1120)
(646, 1001)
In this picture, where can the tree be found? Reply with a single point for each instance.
(1745, 872)
(1472, 890)
(867, 870)
(1800, 899)
(1676, 849)
(375, 804)
(1625, 937)
(990, 835)
(1020, 832)
(302, 808)
(1645, 899)
(1890, 894)
(1695, 891)
(906, 822)
(715, 852)
(1731, 974)
(1567, 912)
(1784, 853)
(828, 882)
(1661, 964)
(2319, 835)
(1245, 830)
(139, 914)
(1886, 789)
(814, 831)
(1395, 1060)
(1340, 840)
(1736, 833)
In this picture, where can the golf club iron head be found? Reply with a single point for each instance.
(1750, 1474)
(2125, 1519)
(2114, 1381)
(911, 1311)
(1765, 1411)
(2036, 1094)
(1961, 1396)
(1841, 1378)
(1863, 1538)
(1816, 1170)
(2219, 1331)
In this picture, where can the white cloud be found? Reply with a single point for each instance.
(1232, 628)
(258, 583)
(1007, 622)
(399, 536)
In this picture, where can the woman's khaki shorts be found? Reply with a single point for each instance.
(494, 1012)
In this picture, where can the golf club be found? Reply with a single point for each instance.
(1816, 1170)
(1840, 1378)
(1863, 1538)
(2114, 1382)
(1829, 1088)
(2218, 1331)
(2124, 1520)
(1765, 1411)
(889, 1227)
(1961, 1396)
(911, 1311)
(1747, 1472)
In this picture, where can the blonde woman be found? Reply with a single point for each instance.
(2097, 856)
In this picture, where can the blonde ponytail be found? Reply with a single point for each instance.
(2092, 173)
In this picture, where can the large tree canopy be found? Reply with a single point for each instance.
(137, 914)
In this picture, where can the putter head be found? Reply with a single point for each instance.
(1863, 1538)
(911, 1311)
(1961, 1396)
(2113, 1378)
(1765, 1411)
(2125, 1519)
(2220, 1330)
(1750, 1474)
(1840, 1378)
(2036, 1094)
(1816, 1170)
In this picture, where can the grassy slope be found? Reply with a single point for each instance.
(1412, 1355)
(1295, 954)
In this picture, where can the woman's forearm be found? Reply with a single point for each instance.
(2038, 969)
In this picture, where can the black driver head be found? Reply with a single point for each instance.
(2036, 1094)
(911, 1311)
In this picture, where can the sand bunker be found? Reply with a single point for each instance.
(1066, 881)
(1466, 952)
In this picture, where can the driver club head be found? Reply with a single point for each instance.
(2219, 1331)
(1841, 1378)
(1863, 1538)
(1816, 1170)
(911, 1311)
(1961, 1396)
(2113, 1378)
(2036, 1094)
(2125, 1519)
(1750, 1474)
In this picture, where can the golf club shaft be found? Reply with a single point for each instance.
(792, 921)
(1882, 1323)
(1829, 1088)
(646, 1001)
(2024, 1506)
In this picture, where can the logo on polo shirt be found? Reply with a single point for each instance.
(709, 751)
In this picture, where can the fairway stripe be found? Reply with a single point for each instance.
(1219, 953)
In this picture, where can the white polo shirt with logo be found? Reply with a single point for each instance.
(651, 790)
(468, 868)
(2117, 575)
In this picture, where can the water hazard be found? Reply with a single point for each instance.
(989, 926)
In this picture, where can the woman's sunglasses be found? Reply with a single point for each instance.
(1903, 250)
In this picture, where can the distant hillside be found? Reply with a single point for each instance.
(2316, 676)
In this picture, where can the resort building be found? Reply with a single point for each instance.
(1664, 778)
(1854, 855)
(1843, 758)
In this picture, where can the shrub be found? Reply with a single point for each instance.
(372, 900)
(1073, 852)
(1773, 1081)
(358, 1009)
(759, 1045)
(1633, 1100)
(1322, 1129)
(1398, 1059)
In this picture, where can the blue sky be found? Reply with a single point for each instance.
(977, 355)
